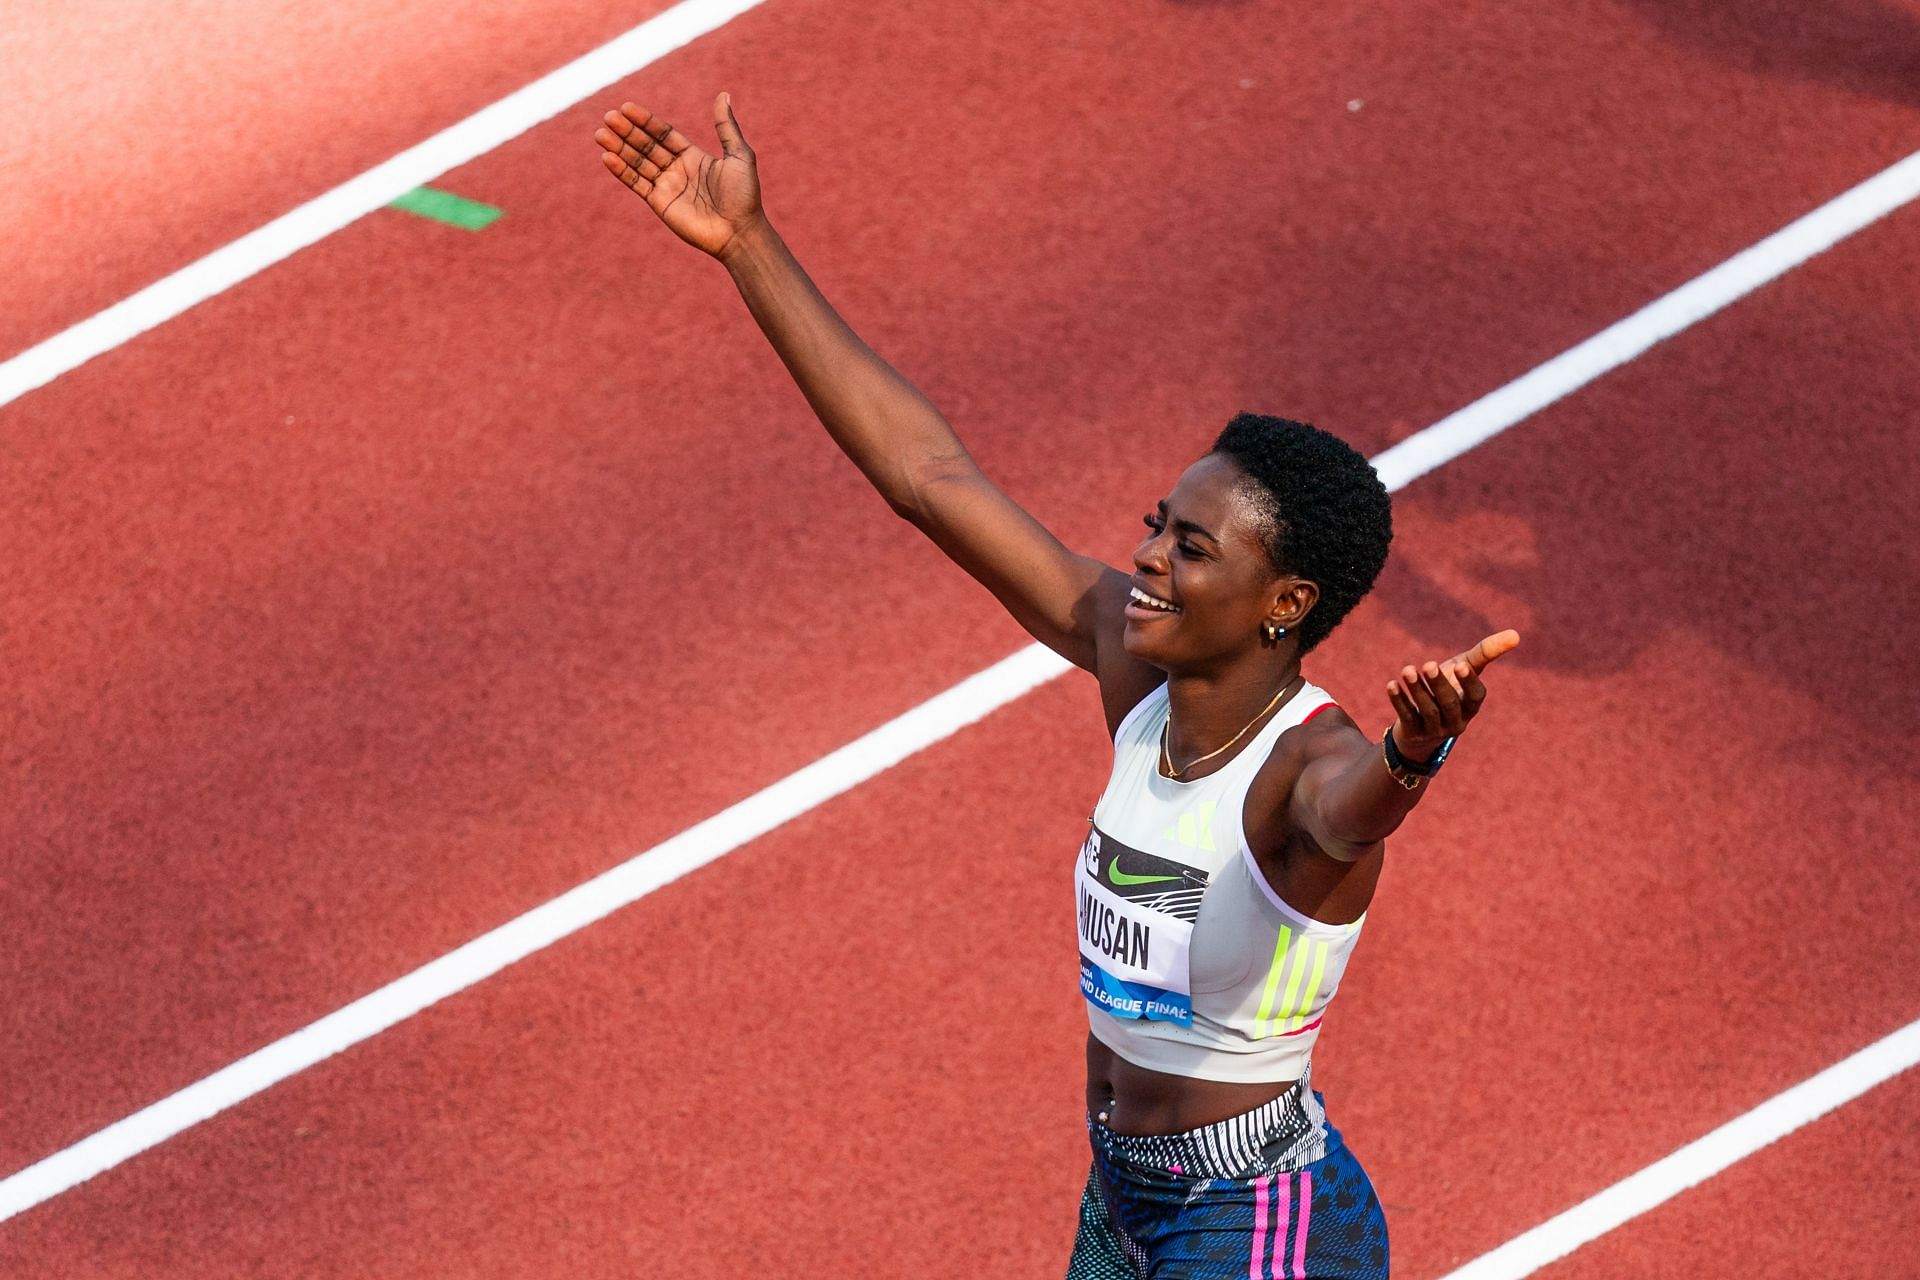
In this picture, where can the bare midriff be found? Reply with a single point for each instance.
(1136, 1100)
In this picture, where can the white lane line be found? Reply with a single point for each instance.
(1699, 1160)
(937, 718)
(931, 722)
(325, 214)
(1692, 302)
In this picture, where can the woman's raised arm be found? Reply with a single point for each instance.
(878, 418)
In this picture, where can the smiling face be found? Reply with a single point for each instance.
(1205, 556)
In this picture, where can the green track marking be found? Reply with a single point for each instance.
(444, 206)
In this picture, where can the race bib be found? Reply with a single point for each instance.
(1136, 914)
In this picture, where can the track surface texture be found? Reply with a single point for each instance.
(369, 604)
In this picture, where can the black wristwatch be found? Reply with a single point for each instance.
(1410, 773)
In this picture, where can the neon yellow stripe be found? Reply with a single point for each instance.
(1293, 985)
(1273, 983)
(1313, 986)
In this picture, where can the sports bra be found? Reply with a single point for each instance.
(1190, 963)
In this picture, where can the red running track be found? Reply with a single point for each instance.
(143, 135)
(305, 704)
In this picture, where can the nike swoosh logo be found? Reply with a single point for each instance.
(1115, 874)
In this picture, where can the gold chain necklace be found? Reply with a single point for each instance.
(1166, 733)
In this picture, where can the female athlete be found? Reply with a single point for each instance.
(1228, 866)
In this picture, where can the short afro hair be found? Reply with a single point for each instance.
(1328, 517)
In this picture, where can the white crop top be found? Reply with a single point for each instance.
(1189, 961)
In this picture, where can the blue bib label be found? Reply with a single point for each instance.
(1132, 999)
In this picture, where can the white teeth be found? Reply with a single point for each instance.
(1154, 602)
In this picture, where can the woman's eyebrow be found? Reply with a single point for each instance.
(1188, 526)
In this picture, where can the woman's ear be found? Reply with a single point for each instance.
(1293, 602)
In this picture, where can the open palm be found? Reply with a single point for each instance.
(704, 200)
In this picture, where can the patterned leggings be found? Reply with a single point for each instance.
(1270, 1195)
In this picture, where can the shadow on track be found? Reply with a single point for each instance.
(1863, 46)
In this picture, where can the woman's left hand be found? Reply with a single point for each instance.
(1435, 702)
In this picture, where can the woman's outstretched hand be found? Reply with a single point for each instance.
(1435, 702)
(705, 201)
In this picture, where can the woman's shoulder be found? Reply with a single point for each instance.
(1325, 729)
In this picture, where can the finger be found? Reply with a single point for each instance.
(652, 129)
(618, 124)
(1472, 692)
(727, 125)
(647, 168)
(1494, 646)
(1422, 699)
(1445, 695)
(626, 173)
(623, 132)
(1412, 724)
(614, 146)
(1403, 709)
(639, 143)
